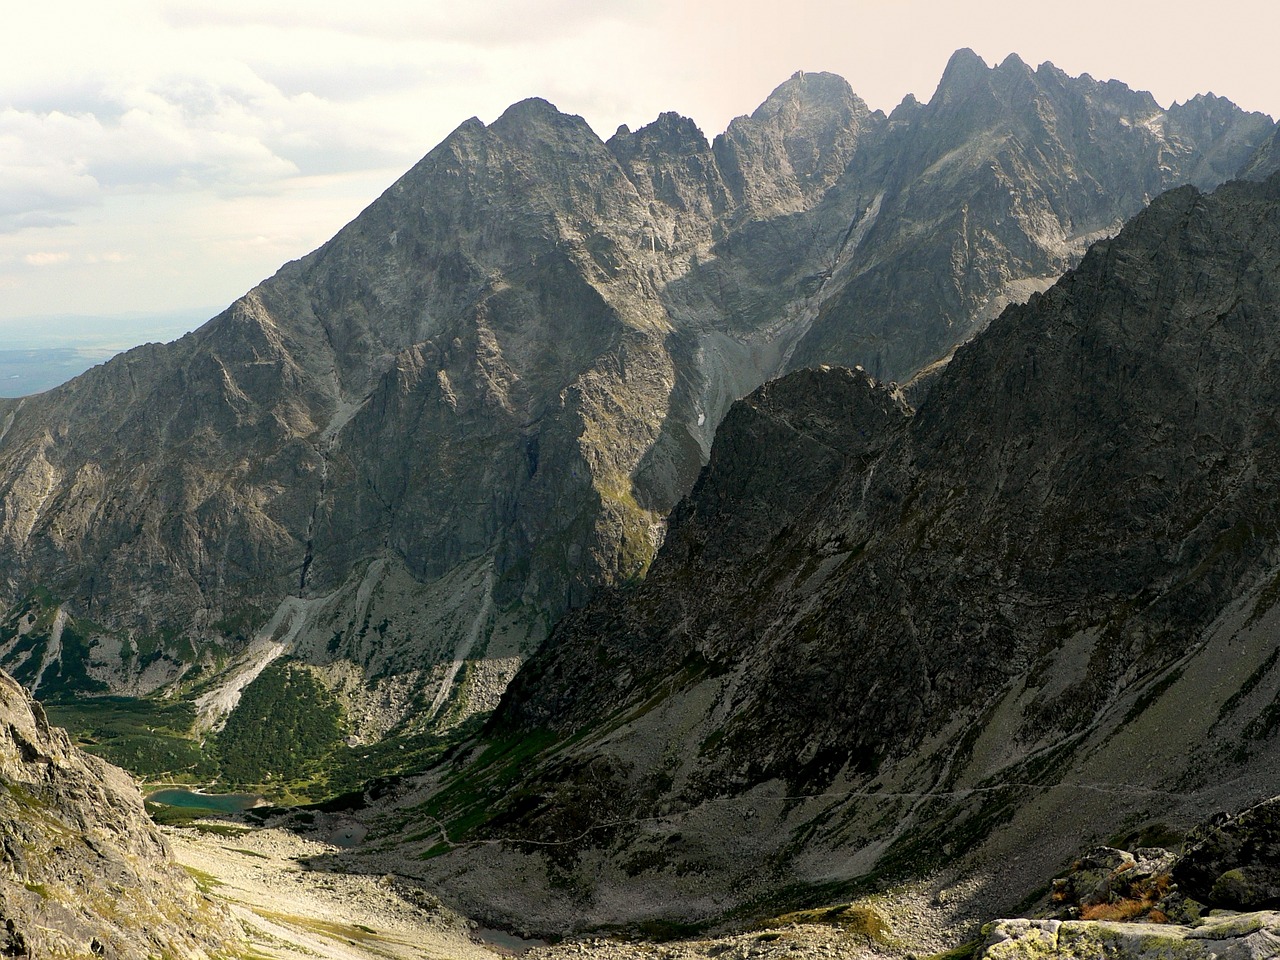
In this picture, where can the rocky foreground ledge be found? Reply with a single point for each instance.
(1236, 936)
(1222, 891)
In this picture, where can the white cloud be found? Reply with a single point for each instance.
(46, 258)
(221, 129)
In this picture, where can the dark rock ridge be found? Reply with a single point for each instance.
(1038, 611)
(84, 871)
(406, 454)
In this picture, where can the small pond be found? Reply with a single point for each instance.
(506, 942)
(222, 802)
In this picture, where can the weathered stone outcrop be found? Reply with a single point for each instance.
(83, 872)
(1235, 864)
(1252, 936)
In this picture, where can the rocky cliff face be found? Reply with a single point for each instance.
(408, 453)
(1040, 609)
(1009, 173)
(1266, 160)
(85, 873)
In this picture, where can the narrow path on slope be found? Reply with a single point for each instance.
(1124, 789)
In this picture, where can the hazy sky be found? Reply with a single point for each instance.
(168, 154)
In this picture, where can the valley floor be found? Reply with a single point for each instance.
(290, 912)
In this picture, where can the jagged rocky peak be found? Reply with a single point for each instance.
(83, 871)
(671, 133)
(670, 160)
(819, 96)
(905, 111)
(796, 143)
(1045, 161)
(964, 74)
(1216, 120)
(1014, 73)
(534, 123)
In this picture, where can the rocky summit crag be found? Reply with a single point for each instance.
(879, 645)
(84, 872)
(407, 454)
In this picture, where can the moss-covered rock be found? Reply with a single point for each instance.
(1240, 937)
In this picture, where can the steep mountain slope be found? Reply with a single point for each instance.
(1040, 610)
(85, 872)
(408, 453)
(1266, 160)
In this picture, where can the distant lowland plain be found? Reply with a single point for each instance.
(39, 353)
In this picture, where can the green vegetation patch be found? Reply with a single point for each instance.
(966, 951)
(224, 830)
(349, 768)
(206, 882)
(482, 789)
(168, 816)
(152, 739)
(285, 738)
(287, 722)
(350, 933)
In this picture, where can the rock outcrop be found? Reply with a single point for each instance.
(1038, 611)
(1119, 904)
(408, 453)
(83, 872)
(1244, 937)
(1235, 864)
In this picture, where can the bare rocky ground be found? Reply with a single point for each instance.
(290, 911)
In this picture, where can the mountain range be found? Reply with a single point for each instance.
(882, 644)
(405, 456)
(982, 568)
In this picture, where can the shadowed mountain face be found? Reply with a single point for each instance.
(405, 455)
(1035, 613)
